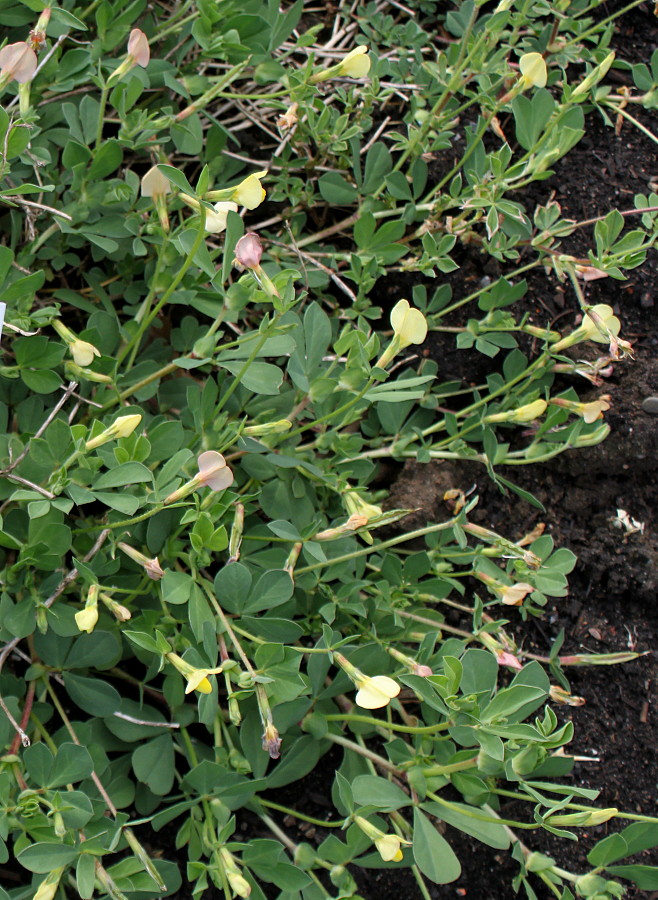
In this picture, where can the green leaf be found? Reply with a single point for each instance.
(153, 764)
(85, 875)
(232, 584)
(43, 857)
(272, 589)
(510, 700)
(121, 475)
(106, 160)
(96, 697)
(432, 853)
(336, 190)
(645, 877)
(370, 790)
(72, 763)
(177, 179)
(463, 817)
(176, 587)
(260, 377)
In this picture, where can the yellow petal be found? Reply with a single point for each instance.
(216, 221)
(198, 681)
(357, 63)
(533, 69)
(388, 848)
(374, 693)
(83, 353)
(250, 192)
(409, 324)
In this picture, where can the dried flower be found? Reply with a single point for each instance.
(18, 62)
(121, 613)
(559, 695)
(151, 566)
(272, 741)
(289, 118)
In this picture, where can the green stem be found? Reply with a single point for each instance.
(389, 726)
(362, 751)
(336, 412)
(384, 545)
(304, 818)
(101, 115)
(449, 769)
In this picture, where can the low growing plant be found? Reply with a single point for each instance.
(204, 588)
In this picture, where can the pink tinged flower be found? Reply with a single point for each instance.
(249, 250)
(422, 670)
(503, 658)
(272, 741)
(18, 62)
(213, 471)
(514, 594)
(138, 48)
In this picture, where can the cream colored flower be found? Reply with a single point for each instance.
(600, 324)
(409, 324)
(213, 473)
(389, 847)
(238, 883)
(376, 692)
(155, 183)
(514, 594)
(83, 352)
(356, 64)
(250, 192)
(589, 412)
(87, 618)
(48, 887)
(533, 70)
(216, 221)
(521, 415)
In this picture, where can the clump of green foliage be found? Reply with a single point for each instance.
(202, 204)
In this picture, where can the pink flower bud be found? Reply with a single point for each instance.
(18, 62)
(249, 250)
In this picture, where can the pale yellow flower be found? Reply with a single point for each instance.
(375, 692)
(600, 324)
(409, 324)
(87, 618)
(533, 70)
(521, 415)
(83, 352)
(250, 192)
(514, 594)
(389, 847)
(123, 426)
(239, 884)
(48, 887)
(356, 64)
(590, 412)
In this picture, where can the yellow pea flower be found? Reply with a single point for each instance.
(250, 192)
(590, 412)
(123, 426)
(389, 846)
(356, 64)
(87, 617)
(409, 327)
(600, 324)
(521, 415)
(197, 679)
(533, 70)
